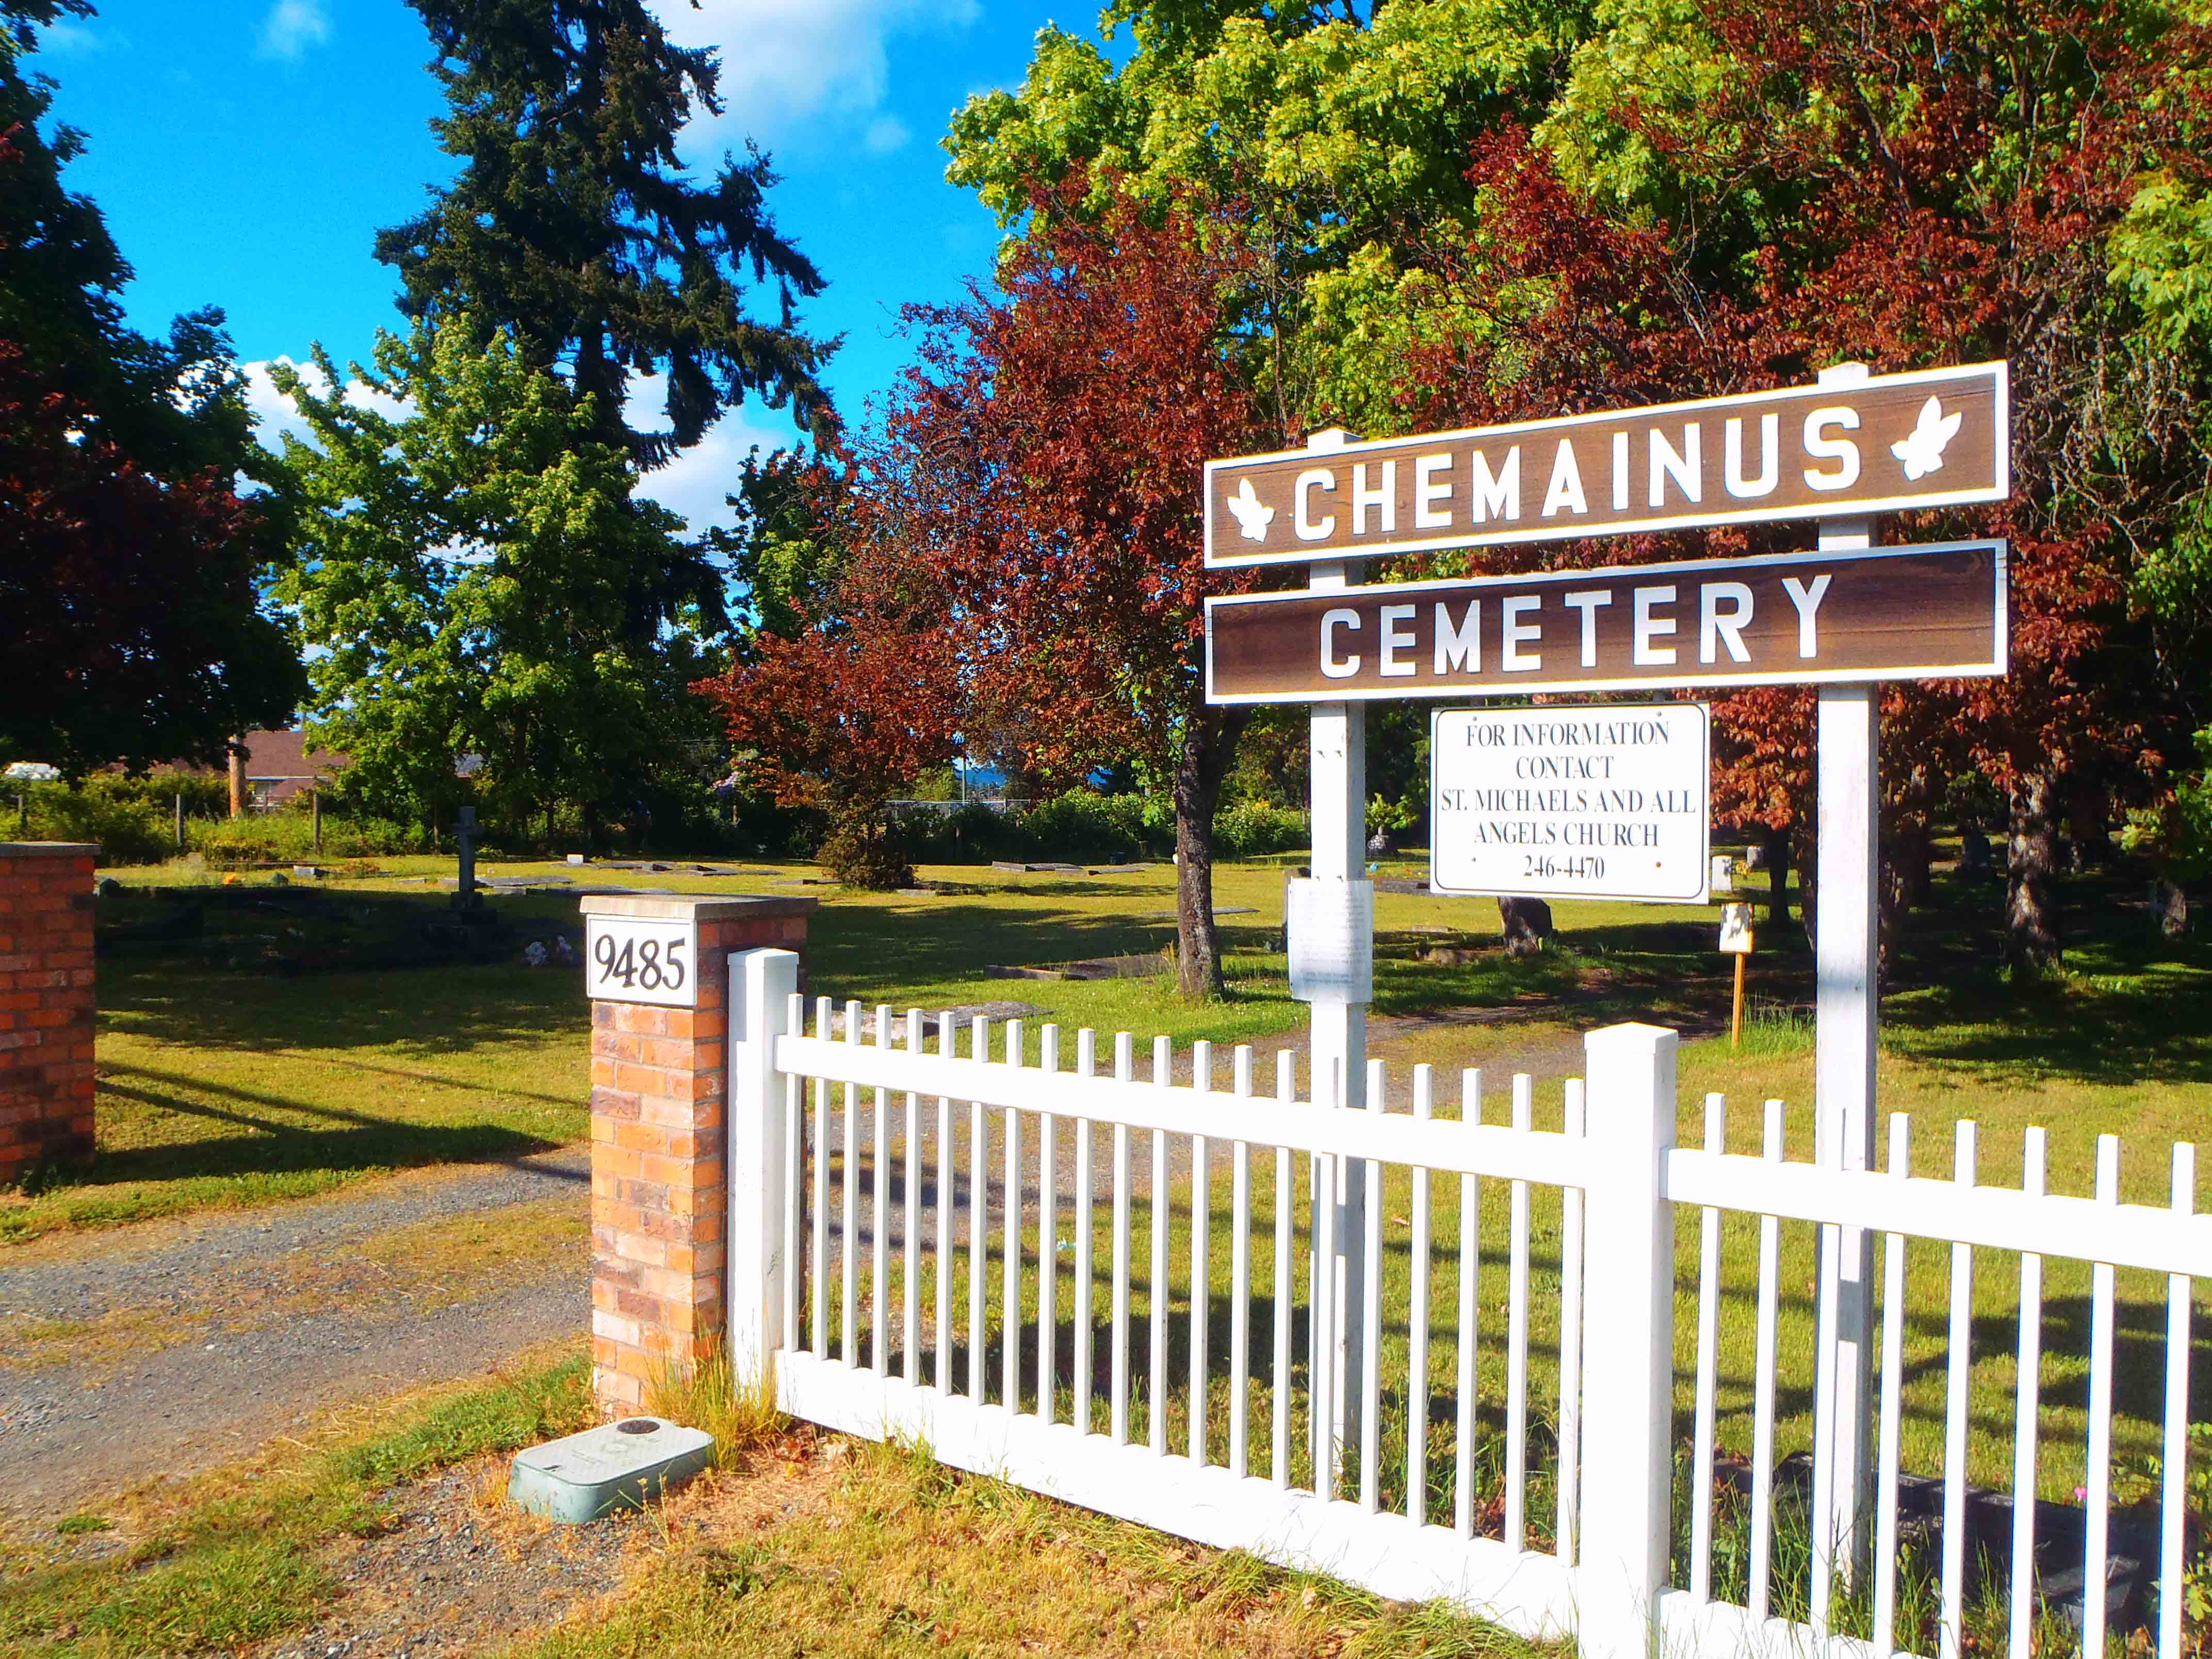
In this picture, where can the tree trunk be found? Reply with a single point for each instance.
(237, 776)
(2031, 887)
(1904, 882)
(1774, 846)
(1915, 856)
(1805, 853)
(1209, 740)
(2088, 824)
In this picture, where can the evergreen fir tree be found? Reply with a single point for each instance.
(575, 225)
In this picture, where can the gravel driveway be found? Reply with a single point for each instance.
(158, 1349)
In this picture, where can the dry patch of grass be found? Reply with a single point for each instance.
(826, 1547)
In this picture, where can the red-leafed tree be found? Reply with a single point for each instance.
(128, 562)
(1902, 185)
(849, 687)
(127, 601)
(1044, 464)
(1023, 549)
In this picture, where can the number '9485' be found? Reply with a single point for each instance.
(648, 964)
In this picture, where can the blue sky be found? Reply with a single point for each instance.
(245, 152)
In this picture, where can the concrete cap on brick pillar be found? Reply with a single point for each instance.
(701, 906)
(49, 849)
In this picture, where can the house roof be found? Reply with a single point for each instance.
(271, 756)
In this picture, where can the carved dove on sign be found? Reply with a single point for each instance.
(1251, 518)
(1922, 448)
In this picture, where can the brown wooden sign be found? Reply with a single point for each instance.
(1937, 437)
(1935, 611)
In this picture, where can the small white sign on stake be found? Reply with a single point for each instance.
(1589, 801)
(652, 959)
(1735, 930)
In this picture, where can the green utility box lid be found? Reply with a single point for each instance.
(622, 1465)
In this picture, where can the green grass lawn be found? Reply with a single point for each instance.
(223, 1083)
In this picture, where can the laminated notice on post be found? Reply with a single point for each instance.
(1332, 939)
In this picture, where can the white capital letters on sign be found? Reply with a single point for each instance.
(641, 959)
(1602, 801)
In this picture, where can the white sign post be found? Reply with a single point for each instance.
(1848, 818)
(1337, 1045)
(1605, 801)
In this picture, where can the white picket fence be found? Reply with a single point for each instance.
(917, 1254)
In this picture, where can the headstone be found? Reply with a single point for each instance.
(576, 858)
(465, 832)
(2171, 906)
(1974, 864)
(1527, 924)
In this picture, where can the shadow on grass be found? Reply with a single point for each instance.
(286, 1149)
(426, 1010)
(939, 941)
(2152, 1029)
(342, 1142)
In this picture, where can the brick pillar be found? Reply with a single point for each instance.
(45, 1005)
(660, 1193)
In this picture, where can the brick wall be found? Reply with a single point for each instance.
(660, 1193)
(45, 1005)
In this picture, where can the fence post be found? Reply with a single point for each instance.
(762, 982)
(1628, 1343)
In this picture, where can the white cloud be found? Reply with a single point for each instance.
(67, 38)
(276, 417)
(293, 26)
(885, 134)
(696, 484)
(789, 62)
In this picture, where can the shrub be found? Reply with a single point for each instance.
(289, 838)
(870, 856)
(128, 832)
(1082, 824)
(1253, 827)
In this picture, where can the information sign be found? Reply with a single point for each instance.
(1937, 611)
(1883, 444)
(1606, 801)
(653, 959)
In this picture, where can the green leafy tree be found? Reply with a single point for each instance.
(785, 553)
(574, 226)
(127, 554)
(1337, 135)
(476, 577)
